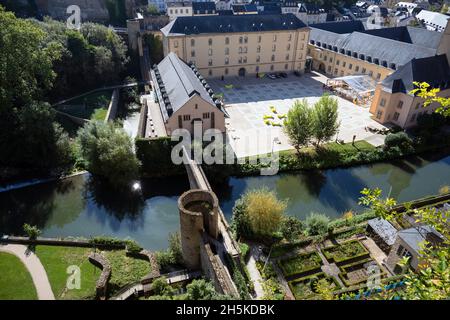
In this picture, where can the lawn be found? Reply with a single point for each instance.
(57, 259)
(345, 251)
(88, 106)
(125, 269)
(15, 280)
(99, 114)
(300, 264)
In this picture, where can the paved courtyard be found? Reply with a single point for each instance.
(250, 99)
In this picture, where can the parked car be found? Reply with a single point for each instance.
(271, 76)
(297, 73)
(282, 74)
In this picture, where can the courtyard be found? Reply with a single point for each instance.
(249, 100)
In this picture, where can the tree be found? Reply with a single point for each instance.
(175, 248)
(326, 123)
(25, 66)
(432, 281)
(430, 95)
(160, 287)
(152, 10)
(291, 228)
(399, 139)
(317, 224)
(298, 124)
(155, 46)
(108, 152)
(32, 231)
(200, 289)
(265, 212)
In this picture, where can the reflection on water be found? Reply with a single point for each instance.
(334, 191)
(83, 206)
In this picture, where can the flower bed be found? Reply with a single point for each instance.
(347, 273)
(301, 264)
(350, 250)
(304, 288)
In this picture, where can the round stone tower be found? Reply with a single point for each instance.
(198, 213)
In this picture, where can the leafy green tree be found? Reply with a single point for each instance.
(317, 224)
(108, 152)
(292, 228)
(25, 67)
(326, 122)
(175, 248)
(201, 290)
(32, 231)
(160, 287)
(152, 10)
(155, 46)
(298, 124)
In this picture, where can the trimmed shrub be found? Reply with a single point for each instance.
(399, 139)
(317, 224)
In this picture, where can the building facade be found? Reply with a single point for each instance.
(179, 9)
(184, 97)
(239, 45)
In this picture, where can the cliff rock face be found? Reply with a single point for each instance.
(91, 10)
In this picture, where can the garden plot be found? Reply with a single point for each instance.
(346, 252)
(300, 265)
(305, 288)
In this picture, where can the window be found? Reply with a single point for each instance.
(210, 72)
(258, 58)
(350, 66)
(274, 37)
(192, 42)
(227, 40)
(206, 115)
(245, 39)
(379, 114)
(337, 62)
(175, 43)
(272, 58)
(330, 59)
(258, 49)
(335, 71)
(400, 104)
(226, 70)
(241, 39)
(289, 37)
(271, 67)
(240, 49)
(176, 11)
(210, 62)
(227, 60)
(288, 47)
(259, 39)
(193, 53)
(245, 60)
(240, 60)
(396, 115)
(274, 47)
(186, 117)
(227, 51)
(287, 56)
(370, 73)
(378, 76)
(356, 68)
(210, 41)
(245, 50)
(383, 102)
(196, 106)
(363, 70)
(210, 52)
(286, 66)
(344, 63)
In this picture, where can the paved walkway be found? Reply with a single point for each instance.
(331, 269)
(255, 276)
(375, 252)
(35, 268)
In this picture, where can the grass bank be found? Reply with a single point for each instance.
(15, 280)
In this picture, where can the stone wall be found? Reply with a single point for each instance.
(101, 287)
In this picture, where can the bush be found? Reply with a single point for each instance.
(317, 224)
(399, 139)
(32, 231)
(173, 255)
(201, 289)
(292, 228)
(108, 152)
(245, 250)
(133, 247)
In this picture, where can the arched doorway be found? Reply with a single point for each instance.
(322, 68)
(242, 72)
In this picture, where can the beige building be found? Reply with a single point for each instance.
(184, 97)
(345, 48)
(239, 44)
(393, 103)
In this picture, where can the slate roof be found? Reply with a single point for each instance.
(390, 53)
(235, 23)
(311, 8)
(340, 27)
(414, 236)
(384, 229)
(180, 84)
(417, 36)
(203, 7)
(433, 70)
